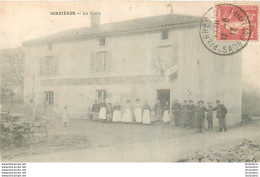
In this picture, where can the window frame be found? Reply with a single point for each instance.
(49, 98)
(105, 61)
(103, 94)
(163, 36)
(102, 41)
(49, 65)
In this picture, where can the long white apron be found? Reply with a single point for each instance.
(117, 116)
(127, 117)
(138, 115)
(102, 113)
(166, 116)
(146, 117)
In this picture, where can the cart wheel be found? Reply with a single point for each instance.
(18, 141)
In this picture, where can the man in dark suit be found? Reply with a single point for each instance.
(192, 110)
(221, 115)
(95, 111)
(158, 111)
(210, 116)
(176, 112)
(201, 109)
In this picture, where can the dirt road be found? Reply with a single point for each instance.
(138, 143)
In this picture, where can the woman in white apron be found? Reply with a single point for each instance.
(146, 114)
(138, 112)
(127, 116)
(152, 116)
(166, 113)
(117, 113)
(103, 112)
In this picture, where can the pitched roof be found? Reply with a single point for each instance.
(135, 25)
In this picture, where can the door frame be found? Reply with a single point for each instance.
(167, 89)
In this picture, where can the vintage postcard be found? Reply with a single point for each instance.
(130, 81)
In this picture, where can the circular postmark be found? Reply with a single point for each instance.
(225, 29)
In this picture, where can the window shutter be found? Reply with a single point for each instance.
(109, 62)
(153, 58)
(56, 65)
(56, 98)
(41, 65)
(93, 67)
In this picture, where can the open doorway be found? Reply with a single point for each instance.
(163, 95)
(101, 94)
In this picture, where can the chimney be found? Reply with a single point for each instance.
(95, 20)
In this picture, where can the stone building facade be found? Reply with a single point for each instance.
(151, 58)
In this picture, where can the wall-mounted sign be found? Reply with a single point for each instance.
(104, 80)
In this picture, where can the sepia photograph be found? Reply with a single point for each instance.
(129, 81)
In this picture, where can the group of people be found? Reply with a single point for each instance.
(191, 116)
(105, 112)
(187, 115)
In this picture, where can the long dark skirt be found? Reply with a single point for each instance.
(95, 116)
(109, 117)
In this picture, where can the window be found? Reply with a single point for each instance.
(49, 97)
(101, 61)
(49, 65)
(101, 94)
(49, 47)
(102, 41)
(165, 34)
(167, 56)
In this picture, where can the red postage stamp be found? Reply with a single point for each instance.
(236, 23)
(252, 13)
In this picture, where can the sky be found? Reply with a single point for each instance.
(21, 21)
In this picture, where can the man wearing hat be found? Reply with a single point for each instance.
(200, 116)
(191, 111)
(176, 111)
(185, 114)
(221, 115)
